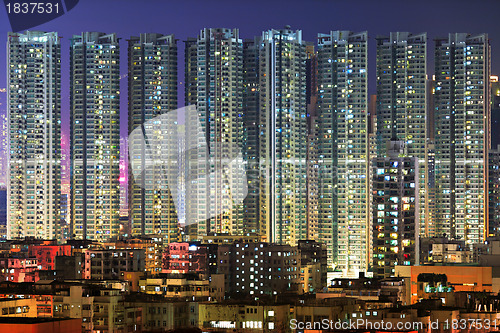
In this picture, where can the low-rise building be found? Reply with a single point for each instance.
(259, 268)
(443, 250)
(244, 317)
(152, 246)
(176, 258)
(109, 311)
(458, 277)
(109, 264)
(40, 325)
(450, 254)
(313, 262)
(99, 305)
(157, 314)
(190, 257)
(182, 286)
(19, 269)
(46, 254)
(16, 307)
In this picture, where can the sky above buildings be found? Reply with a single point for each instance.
(185, 18)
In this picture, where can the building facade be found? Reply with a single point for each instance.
(251, 125)
(462, 136)
(494, 192)
(4, 141)
(34, 108)
(343, 150)
(312, 143)
(261, 268)
(95, 135)
(110, 263)
(214, 183)
(395, 210)
(283, 136)
(402, 102)
(152, 91)
(64, 224)
(3, 212)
